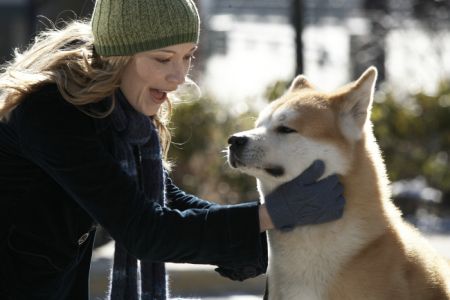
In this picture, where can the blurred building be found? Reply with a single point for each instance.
(404, 39)
(20, 19)
(251, 7)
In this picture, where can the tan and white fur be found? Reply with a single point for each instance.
(370, 253)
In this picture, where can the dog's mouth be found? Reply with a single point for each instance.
(275, 171)
(234, 161)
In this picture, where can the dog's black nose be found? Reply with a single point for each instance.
(237, 140)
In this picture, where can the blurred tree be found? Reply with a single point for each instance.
(415, 136)
(276, 90)
(201, 130)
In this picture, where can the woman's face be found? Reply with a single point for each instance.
(150, 75)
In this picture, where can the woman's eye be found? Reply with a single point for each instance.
(285, 130)
(163, 60)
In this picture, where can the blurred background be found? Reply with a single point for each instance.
(249, 52)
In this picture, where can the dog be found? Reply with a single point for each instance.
(370, 253)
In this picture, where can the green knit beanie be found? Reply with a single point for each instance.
(126, 27)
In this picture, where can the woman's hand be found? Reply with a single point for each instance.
(303, 201)
(265, 222)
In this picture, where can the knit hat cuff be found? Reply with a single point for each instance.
(130, 49)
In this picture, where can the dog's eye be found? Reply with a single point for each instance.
(284, 130)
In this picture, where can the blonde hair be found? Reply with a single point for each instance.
(67, 58)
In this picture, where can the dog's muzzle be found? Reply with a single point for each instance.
(237, 158)
(237, 145)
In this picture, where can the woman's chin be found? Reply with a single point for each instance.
(151, 111)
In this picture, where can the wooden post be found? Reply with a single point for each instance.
(297, 22)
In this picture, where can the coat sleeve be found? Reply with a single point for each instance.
(178, 199)
(61, 140)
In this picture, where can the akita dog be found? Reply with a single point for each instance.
(370, 253)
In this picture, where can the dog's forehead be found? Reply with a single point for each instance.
(292, 106)
(276, 115)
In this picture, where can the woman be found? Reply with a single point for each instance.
(83, 127)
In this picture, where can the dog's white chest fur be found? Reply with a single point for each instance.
(302, 266)
(294, 265)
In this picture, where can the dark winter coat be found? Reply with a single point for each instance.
(58, 179)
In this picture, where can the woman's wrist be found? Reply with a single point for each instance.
(265, 222)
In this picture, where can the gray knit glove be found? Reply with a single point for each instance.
(304, 200)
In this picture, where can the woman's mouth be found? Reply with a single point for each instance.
(158, 96)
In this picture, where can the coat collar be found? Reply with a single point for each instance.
(133, 126)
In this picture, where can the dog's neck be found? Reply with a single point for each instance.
(265, 187)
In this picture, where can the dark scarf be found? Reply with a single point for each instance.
(137, 148)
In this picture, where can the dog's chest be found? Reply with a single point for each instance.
(303, 263)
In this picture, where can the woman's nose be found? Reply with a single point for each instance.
(177, 75)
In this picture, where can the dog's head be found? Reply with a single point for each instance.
(302, 126)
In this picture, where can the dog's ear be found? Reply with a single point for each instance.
(300, 82)
(355, 103)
